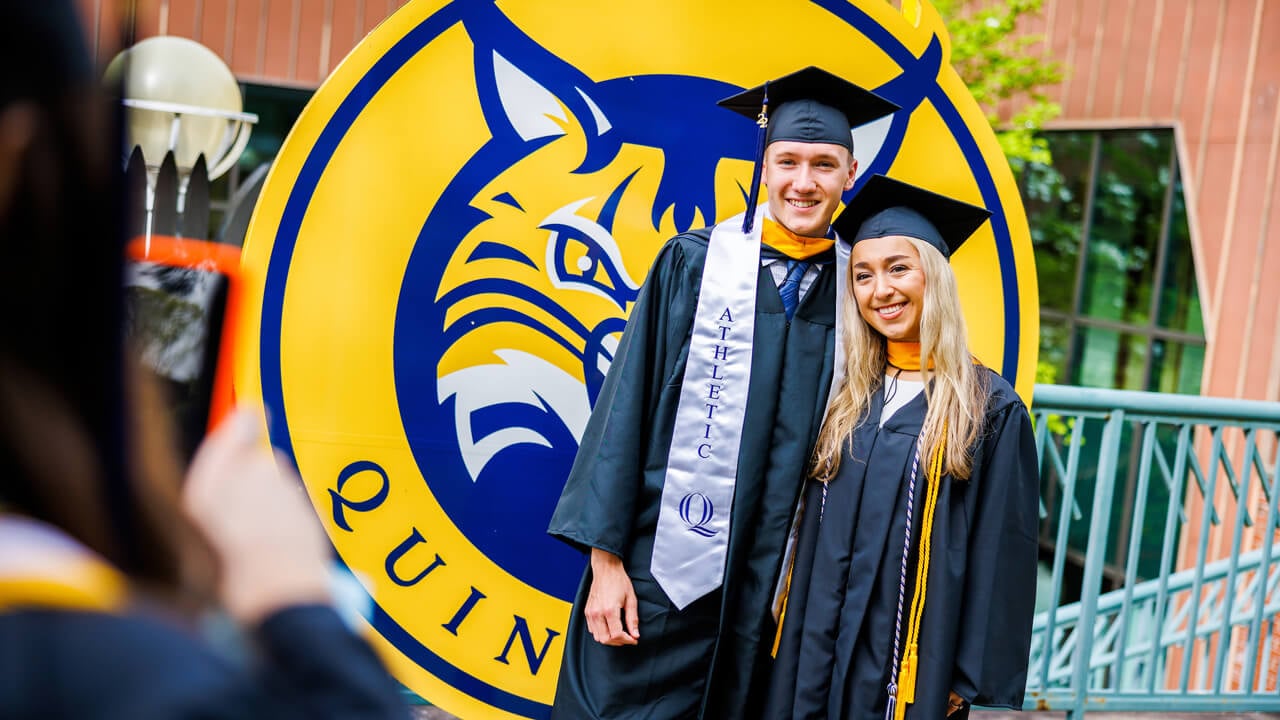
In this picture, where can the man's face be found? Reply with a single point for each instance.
(805, 182)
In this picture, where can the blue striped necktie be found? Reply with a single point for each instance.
(790, 288)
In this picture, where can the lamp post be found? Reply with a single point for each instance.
(184, 126)
(181, 102)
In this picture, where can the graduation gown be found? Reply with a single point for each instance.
(57, 664)
(711, 659)
(75, 644)
(837, 638)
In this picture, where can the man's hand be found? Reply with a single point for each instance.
(954, 703)
(611, 599)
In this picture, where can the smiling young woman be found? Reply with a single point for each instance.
(910, 590)
(888, 284)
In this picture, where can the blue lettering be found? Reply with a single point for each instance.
(340, 503)
(726, 316)
(713, 391)
(467, 606)
(707, 434)
(526, 641)
(708, 450)
(715, 373)
(711, 410)
(724, 333)
(395, 556)
(721, 352)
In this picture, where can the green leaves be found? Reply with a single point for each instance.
(1000, 64)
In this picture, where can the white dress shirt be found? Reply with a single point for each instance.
(778, 268)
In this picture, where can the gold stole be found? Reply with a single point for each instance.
(39, 569)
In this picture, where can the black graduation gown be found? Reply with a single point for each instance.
(75, 664)
(711, 659)
(837, 638)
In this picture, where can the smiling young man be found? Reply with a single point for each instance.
(689, 470)
(805, 183)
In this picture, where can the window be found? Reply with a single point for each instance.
(277, 109)
(1119, 306)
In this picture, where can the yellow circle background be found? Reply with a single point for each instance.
(339, 305)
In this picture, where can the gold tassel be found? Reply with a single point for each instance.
(910, 662)
(782, 617)
(908, 680)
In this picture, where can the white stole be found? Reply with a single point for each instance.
(692, 537)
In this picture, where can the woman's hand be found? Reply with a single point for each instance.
(255, 513)
(611, 600)
(954, 703)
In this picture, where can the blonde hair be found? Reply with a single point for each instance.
(955, 388)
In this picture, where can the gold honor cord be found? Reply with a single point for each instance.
(789, 559)
(782, 617)
(781, 607)
(910, 661)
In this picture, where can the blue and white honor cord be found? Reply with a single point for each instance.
(891, 705)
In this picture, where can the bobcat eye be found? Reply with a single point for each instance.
(581, 255)
(575, 256)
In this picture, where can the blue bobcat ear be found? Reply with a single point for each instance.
(525, 90)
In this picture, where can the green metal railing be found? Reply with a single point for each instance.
(1159, 514)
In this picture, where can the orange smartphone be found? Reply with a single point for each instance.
(180, 315)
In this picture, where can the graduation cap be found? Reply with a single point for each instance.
(809, 105)
(885, 207)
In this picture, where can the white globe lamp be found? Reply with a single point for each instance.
(180, 98)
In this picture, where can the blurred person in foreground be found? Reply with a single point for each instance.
(106, 564)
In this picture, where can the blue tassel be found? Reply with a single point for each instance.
(753, 198)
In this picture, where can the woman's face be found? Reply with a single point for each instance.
(888, 283)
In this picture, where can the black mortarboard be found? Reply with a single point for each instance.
(885, 207)
(811, 105)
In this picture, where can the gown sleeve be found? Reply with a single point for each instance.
(598, 504)
(999, 593)
(320, 669)
(301, 662)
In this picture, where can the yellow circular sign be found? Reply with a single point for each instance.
(444, 254)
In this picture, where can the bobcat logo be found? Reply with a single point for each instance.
(553, 224)
(449, 245)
